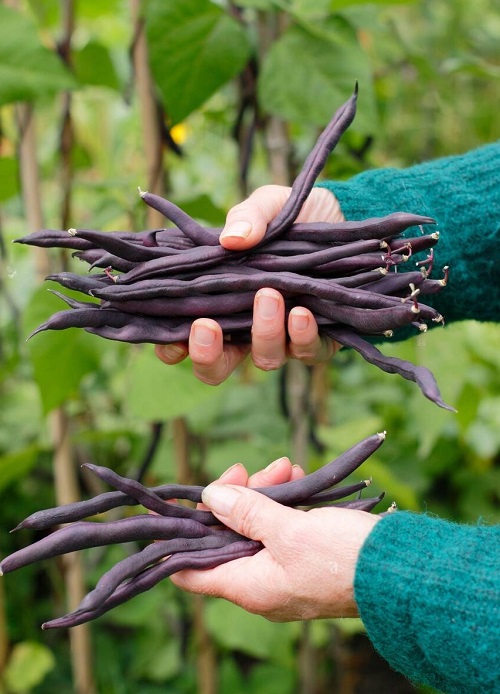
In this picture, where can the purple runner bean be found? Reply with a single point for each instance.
(85, 534)
(312, 167)
(346, 232)
(137, 562)
(419, 374)
(197, 233)
(203, 559)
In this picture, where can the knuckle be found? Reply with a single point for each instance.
(319, 350)
(268, 363)
(209, 377)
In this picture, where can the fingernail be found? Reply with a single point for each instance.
(230, 469)
(299, 319)
(273, 465)
(267, 304)
(239, 229)
(220, 498)
(204, 336)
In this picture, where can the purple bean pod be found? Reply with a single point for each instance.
(419, 374)
(375, 227)
(201, 560)
(85, 534)
(197, 233)
(135, 563)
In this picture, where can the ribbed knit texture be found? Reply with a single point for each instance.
(462, 193)
(428, 592)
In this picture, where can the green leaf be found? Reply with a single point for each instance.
(341, 437)
(60, 359)
(157, 392)
(257, 4)
(9, 181)
(203, 208)
(313, 9)
(92, 65)
(194, 49)
(28, 70)
(396, 490)
(272, 679)
(341, 4)
(237, 630)
(28, 665)
(306, 77)
(17, 464)
(160, 663)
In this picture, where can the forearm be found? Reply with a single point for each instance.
(428, 592)
(462, 193)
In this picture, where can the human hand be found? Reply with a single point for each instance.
(213, 360)
(306, 569)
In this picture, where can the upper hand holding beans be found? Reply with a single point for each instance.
(213, 360)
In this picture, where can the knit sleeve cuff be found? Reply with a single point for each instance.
(426, 591)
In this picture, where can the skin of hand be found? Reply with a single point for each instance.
(306, 569)
(213, 360)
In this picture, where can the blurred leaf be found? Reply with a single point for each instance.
(160, 663)
(483, 339)
(9, 182)
(471, 64)
(341, 437)
(17, 464)
(202, 207)
(92, 65)
(144, 608)
(311, 8)
(341, 4)
(257, 4)
(28, 70)
(305, 78)
(272, 679)
(235, 629)
(60, 359)
(467, 405)
(28, 665)
(394, 487)
(194, 48)
(99, 8)
(158, 392)
(222, 454)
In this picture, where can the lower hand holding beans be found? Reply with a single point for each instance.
(205, 537)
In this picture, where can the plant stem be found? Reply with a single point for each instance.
(151, 127)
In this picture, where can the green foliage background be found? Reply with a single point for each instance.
(429, 75)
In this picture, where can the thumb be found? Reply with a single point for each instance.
(248, 512)
(246, 223)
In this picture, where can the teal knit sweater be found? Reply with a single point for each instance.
(428, 591)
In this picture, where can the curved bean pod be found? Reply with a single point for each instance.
(312, 167)
(419, 374)
(135, 563)
(203, 559)
(197, 233)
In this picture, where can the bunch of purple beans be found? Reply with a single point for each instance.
(183, 537)
(154, 283)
